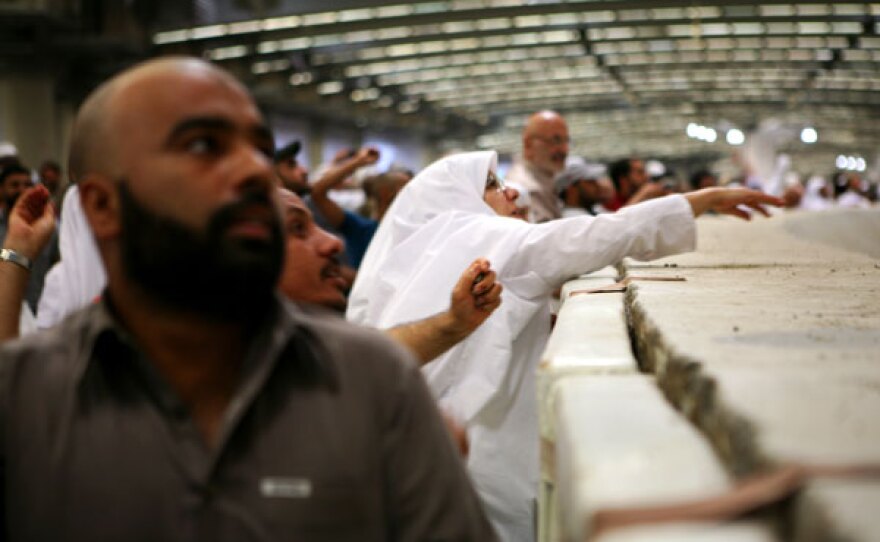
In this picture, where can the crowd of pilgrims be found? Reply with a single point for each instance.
(348, 196)
(457, 262)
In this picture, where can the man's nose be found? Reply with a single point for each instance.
(253, 169)
(511, 193)
(329, 244)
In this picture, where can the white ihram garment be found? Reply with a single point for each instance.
(437, 225)
(79, 277)
(545, 203)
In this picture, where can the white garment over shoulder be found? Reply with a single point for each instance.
(545, 204)
(853, 200)
(27, 323)
(813, 200)
(437, 225)
(569, 212)
(79, 277)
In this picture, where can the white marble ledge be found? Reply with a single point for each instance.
(620, 444)
(742, 531)
(590, 335)
(602, 277)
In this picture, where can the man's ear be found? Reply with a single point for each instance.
(100, 202)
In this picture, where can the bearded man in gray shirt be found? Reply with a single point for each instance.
(192, 403)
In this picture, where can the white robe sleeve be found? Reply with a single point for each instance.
(553, 252)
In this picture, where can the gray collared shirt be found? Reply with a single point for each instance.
(332, 435)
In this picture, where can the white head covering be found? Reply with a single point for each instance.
(79, 277)
(813, 199)
(436, 226)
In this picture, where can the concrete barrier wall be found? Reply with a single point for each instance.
(766, 354)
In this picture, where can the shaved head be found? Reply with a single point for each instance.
(537, 123)
(96, 131)
(90, 135)
(173, 162)
(545, 141)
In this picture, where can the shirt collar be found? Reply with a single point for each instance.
(105, 340)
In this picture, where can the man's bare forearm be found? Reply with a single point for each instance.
(431, 337)
(331, 178)
(13, 281)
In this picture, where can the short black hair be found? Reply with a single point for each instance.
(288, 151)
(619, 169)
(13, 169)
(9, 160)
(698, 176)
(51, 164)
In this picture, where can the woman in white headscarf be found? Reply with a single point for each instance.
(79, 277)
(816, 195)
(456, 210)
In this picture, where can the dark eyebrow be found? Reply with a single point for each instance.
(263, 136)
(199, 123)
(260, 132)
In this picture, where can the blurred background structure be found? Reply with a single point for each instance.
(728, 85)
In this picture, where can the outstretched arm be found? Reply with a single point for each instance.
(31, 223)
(331, 211)
(731, 201)
(648, 191)
(474, 298)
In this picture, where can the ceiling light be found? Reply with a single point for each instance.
(850, 162)
(301, 78)
(735, 136)
(362, 95)
(172, 36)
(206, 32)
(330, 87)
(840, 162)
(225, 53)
(407, 107)
(809, 135)
(279, 23)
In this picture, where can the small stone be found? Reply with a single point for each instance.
(735, 329)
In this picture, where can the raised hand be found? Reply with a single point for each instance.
(367, 156)
(475, 296)
(31, 223)
(731, 201)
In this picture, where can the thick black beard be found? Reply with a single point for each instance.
(202, 272)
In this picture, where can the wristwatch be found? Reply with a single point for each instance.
(12, 256)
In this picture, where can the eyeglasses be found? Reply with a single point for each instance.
(555, 140)
(492, 181)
